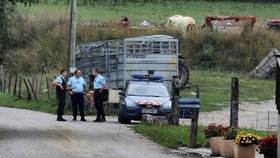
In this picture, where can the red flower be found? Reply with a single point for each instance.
(214, 130)
(268, 145)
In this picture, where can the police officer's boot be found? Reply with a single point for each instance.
(103, 118)
(97, 118)
(60, 118)
(74, 118)
(83, 118)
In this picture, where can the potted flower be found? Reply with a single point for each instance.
(214, 132)
(268, 147)
(245, 145)
(227, 144)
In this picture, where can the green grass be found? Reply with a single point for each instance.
(176, 136)
(43, 106)
(215, 92)
(159, 12)
(215, 88)
(10, 101)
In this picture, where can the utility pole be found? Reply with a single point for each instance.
(72, 37)
(71, 67)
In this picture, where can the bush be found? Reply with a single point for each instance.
(37, 44)
(231, 51)
(46, 40)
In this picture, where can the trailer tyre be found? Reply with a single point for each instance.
(272, 75)
(183, 73)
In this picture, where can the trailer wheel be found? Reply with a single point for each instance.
(183, 73)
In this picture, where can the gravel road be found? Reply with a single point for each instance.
(29, 134)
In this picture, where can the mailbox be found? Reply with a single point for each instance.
(187, 106)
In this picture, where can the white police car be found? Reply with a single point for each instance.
(145, 94)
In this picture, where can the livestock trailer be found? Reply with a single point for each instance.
(117, 60)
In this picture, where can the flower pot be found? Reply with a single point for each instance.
(244, 151)
(215, 145)
(227, 148)
(270, 156)
(222, 148)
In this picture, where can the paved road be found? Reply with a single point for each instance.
(28, 134)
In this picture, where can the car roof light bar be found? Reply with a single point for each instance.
(156, 77)
(151, 77)
(138, 76)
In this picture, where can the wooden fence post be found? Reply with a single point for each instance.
(4, 84)
(234, 102)
(32, 89)
(28, 92)
(48, 88)
(194, 126)
(174, 117)
(35, 85)
(19, 88)
(15, 85)
(9, 82)
(40, 86)
(1, 77)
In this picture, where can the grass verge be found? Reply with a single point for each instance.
(158, 12)
(215, 88)
(12, 102)
(177, 136)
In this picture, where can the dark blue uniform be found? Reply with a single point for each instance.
(98, 82)
(61, 95)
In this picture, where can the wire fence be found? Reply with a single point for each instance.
(248, 119)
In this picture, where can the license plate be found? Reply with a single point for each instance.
(149, 111)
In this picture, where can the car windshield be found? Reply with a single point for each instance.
(147, 89)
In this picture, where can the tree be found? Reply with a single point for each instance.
(26, 2)
(6, 10)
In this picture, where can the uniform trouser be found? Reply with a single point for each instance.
(98, 104)
(78, 100)
(61, 103)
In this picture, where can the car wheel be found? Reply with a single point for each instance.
(123, 120)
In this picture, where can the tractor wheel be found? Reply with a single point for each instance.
(183, 73)
(272, 75)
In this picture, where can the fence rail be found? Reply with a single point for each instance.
(30, 87)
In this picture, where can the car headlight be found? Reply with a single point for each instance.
(130, 103)
(167, 105)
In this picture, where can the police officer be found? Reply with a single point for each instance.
(77, 84)
(60, 84)
(99, 85)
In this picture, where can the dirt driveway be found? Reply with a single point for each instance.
(260, 116)
(28, 134)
